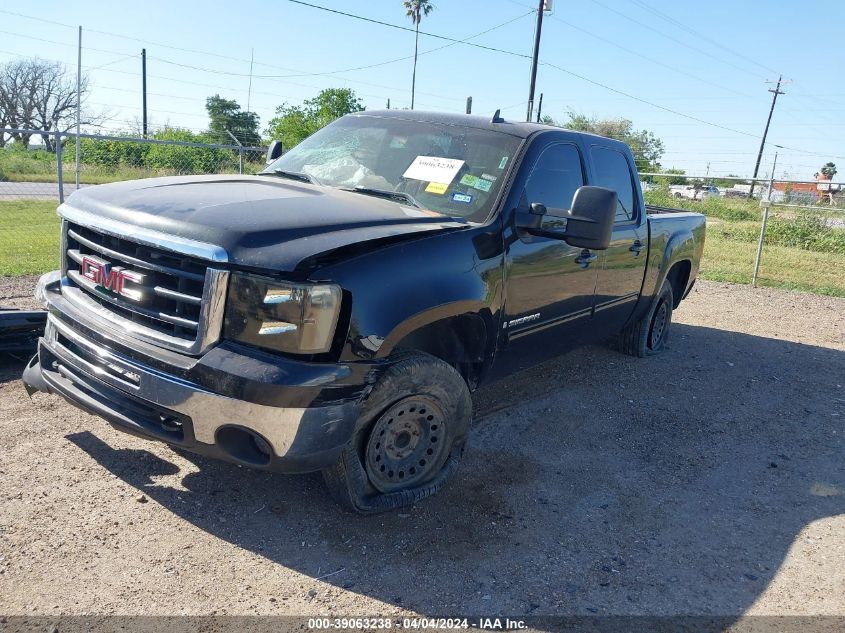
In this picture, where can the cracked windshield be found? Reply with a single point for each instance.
(453, 170)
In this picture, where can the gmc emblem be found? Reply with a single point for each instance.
(111, 278)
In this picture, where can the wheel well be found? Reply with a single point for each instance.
(460, 341)
(679, 277)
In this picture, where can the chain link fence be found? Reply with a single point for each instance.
(787, 233)
(38, 171)
(802, 246)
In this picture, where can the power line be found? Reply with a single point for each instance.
(450, 39)
(691, 31)
(674, 39)
(647, 58)
(405, 28)
(407, 57)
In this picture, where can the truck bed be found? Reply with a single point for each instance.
(655, 210)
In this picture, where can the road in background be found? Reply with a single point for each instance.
(34, 190)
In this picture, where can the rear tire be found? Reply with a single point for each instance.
(410, 438)
(646, 336)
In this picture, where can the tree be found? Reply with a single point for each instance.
(678, 179)
(226, 115)
(647, 148)
(726, 182)
(295, 123)
(828, 171)
(416, 9)
(40, 95)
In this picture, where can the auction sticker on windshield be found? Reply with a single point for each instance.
(434, 169)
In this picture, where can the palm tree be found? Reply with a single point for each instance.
(416, 9)
(829, 171)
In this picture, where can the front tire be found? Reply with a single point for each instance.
(410, 437)
(648, 335)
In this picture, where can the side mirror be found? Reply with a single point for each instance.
(274, 151)
(589, 223)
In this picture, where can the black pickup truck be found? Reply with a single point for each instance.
(335, 311)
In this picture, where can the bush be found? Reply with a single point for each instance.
(111, 154)
(809, 231)
(182, 159)
(726, 209)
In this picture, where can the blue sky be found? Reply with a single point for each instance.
(706, 61)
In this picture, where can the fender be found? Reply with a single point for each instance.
(667, 247)
(402, 289)
(681, 246)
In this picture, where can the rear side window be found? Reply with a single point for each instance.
(612, 171)
(556, 176)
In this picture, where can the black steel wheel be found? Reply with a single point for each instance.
(647, 335)
(412, 430)
(659, 326)
(406, 446)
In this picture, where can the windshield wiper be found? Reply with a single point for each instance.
(293, 175)
(386, 193)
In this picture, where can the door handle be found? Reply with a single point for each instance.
(585, 258)
(636, 247)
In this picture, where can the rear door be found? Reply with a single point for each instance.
(620, 276)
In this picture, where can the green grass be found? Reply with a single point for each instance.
(40, 166)
(792, 268)
(29, 237)
(29, 244)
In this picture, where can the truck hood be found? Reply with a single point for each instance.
(259, 221)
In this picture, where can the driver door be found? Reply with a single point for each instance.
(549, 287)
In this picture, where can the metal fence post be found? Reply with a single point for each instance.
(240, 152)
(59, 167)
(765, 205)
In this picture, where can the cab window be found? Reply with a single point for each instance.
(613, 172)
(555, 178)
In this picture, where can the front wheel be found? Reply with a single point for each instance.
(648, 334)
(410, 437)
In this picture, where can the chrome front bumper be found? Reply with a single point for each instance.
(143, 400)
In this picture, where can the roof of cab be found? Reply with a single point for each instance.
(521, 129)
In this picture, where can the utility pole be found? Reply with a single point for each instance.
(777, 91)
(540, 107)
(78, 101)
(469, 105)
(249, 90)
(765, 204)
(144, 90)
(535, 59)
(388, 104)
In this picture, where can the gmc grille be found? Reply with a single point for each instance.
(176, 303)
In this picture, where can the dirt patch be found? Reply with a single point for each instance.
(705, 480)
(17, 292)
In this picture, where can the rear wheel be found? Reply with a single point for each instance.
(411, 435)
(647, 335)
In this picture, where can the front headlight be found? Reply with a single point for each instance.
(281, 316)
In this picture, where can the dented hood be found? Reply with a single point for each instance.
(260, 221)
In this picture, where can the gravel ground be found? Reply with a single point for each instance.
(18, 292)
(706, 480)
